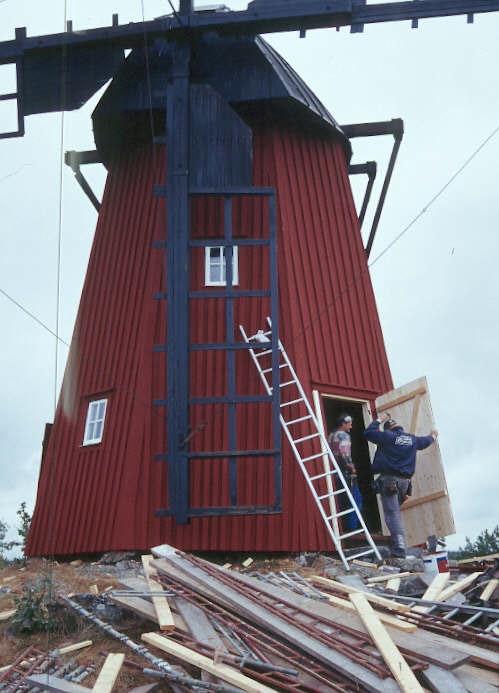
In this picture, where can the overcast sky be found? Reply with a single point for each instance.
(437, 288)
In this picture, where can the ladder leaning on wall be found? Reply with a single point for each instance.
(320, 484)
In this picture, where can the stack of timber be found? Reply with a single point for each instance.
(254, 632)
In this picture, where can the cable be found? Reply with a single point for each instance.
(148, 72)
(14, 173)
(32, 316)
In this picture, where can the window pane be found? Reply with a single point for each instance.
(90, 431)
(101, 409)
(92, 411)
(214, 273)
(215, 253)
(98, 430)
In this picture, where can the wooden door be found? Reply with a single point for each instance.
(428, 511)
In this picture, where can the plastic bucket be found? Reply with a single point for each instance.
(436, 562)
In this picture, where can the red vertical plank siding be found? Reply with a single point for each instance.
(103, 497)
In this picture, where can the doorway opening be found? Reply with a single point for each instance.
(333, 408)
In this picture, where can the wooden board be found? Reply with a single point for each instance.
(401, 671)
(430, 646)
(388, 576)
(489, 557)
(428, 511)
(54, 683)
(163, 611)
(5, 615)
(109, 673)
(221, 671)
(489, 590)
(256, 613)
(439, 680)
(392, 584)
(386, 618)
(433, 591)
(458, 586)
(374, 598)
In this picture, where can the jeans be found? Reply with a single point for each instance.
(393, 493)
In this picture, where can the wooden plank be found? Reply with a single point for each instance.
(138, 605)
(388, 576)
(434, 648)
(474, 684)
(488, 557)
(414, 502)
(433, 591)
(424, 518)
(5, 615)
(194, 577)
(47, 682)
(221, 671)
(440, 680)
(489, 589)
(386, 618)
(415, 414)
(109, 673)
(374, 598)
(74, 647)
(401, 399)
(392, 584)
(458, 586)
(479, 673)
(401, 671)
(199, 625)
(165, 617)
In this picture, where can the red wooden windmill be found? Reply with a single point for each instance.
(227, 200)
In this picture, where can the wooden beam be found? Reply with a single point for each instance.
(439, 680)
(5, 615)
(475, 559)
(414, 502)
(400, 400)
(109, 673)
(386, 618)
(489, 590)
(138, 605)
(433, 591)
(401, 671)
(165, 617)
(387, 576)
(392, 584)
(458, 586)
(415, 414)
(47, 682)
(374, 598)
(221, 670)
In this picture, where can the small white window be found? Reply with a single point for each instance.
(94, 426)
(215, 266)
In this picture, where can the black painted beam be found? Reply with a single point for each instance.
(261, 17)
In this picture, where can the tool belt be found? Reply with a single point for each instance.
(386, 485)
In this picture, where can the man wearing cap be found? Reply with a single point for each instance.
(341, 445)
(395, 462)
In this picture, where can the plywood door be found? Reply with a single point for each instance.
(428, 511)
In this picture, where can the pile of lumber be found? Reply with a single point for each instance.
(238, 631)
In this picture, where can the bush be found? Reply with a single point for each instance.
(33, 608)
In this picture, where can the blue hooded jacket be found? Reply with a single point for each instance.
(396, 453)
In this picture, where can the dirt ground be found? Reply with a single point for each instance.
(89, 577)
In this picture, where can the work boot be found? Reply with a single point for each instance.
(398, 546)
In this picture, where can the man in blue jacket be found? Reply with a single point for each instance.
(395, 462)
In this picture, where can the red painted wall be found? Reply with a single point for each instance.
(103, 497)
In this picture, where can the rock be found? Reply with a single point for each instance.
(411, 563)
(305, 560)
(116, 557)
(76, 564)
(412, 587)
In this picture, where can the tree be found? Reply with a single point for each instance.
(487, 542)
(23, 528)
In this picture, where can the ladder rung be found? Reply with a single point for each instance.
(289, 382)
(301, 440)
(293, 401)
(269, 370)
(302, 418)
(472, 618)
(358, 555)
(450, 614)
(343, 512)
(263, 353)
(321, 476)
(313, 457)
(350, 534)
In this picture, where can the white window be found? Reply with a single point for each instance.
(94, 426)
(215, 266)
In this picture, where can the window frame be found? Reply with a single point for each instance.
(207, 265)
(93, 405)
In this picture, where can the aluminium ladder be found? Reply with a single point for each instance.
(325, 498)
